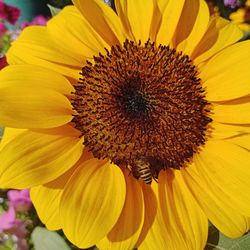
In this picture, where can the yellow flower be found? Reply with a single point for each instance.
(242, 17)
(150, 143)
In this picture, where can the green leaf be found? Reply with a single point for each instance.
(7, 245)
(53, 10)
(60, 3)
(1, 131)
(5, 248)
(1, 210)
(217, 241)
(44, 239)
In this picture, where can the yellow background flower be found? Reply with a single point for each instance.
(241, 17)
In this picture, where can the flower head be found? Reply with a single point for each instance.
(9, 13)
(20, 200)
(3, 62)
(241, 17)
(131, 127)
(9, 223)
(8, 219)
(231, 3)
(37, 20)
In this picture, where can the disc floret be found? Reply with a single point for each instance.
(142, 101)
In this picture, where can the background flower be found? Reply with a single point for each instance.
(241, 17)
(3, 62)
(9, 13)
(231, 3)
(37, 20)
(20, 200)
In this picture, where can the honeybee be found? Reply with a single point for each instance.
(141, 170)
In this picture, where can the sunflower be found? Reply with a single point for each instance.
(131, 127)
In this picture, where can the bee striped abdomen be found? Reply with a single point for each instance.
(142, 170)
(145, 175)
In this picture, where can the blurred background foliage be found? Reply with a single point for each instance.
(59, 3)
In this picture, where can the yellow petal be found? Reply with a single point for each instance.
(150, 210)
(219, 208)
(243, 141)
(121, 9)
(227, 167)
(46, 198)
(238, 16)
(222, 131)
(137, 15)
(103, 20)
(70, 25)
(245, 27)
(157, 236)
(35, 46)
(9, 134)
(235, 114)
(220, 34)
(35, 107)
(126, 231)
(46, 202)
(180, 223)
(192, 25)
(226, 75)
(185, 221)
(92, 202)
(66, 130)
(28, 76)
(248, 223)
(170, 11)
(34, 158)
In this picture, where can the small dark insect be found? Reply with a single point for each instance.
(141, 170)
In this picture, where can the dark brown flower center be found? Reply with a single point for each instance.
(141, 102)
